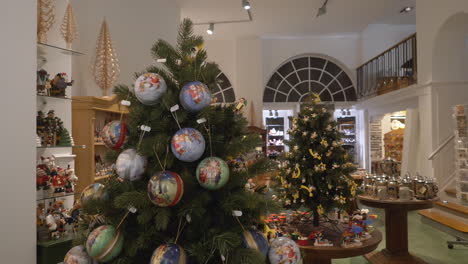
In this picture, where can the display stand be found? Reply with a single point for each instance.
(324, 255)
(396, 229)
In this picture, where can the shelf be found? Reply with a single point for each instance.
(53, 242)
(60, 49)
(109, 110)
(57, 147)
(55, 97)
(63, 156)
(55, 197)
(100, 178)
(275, 125)
(99, 144)
(275, 136)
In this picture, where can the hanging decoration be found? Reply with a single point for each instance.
(69, 28)
(45, 18)
(165, 188)
(169, 253)
(105, 67)
(212, 173)
(149, 87)
(188, 144)
(104, 243)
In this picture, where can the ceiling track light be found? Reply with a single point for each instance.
(323, 9)
(246, 4)
(406, 9)
(210, 29)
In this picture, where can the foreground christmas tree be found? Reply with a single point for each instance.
(316, 174)
(177, 188)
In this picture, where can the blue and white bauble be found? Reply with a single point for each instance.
(188, 144)
(195, 96)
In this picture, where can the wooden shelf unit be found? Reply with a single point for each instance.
(85, 112)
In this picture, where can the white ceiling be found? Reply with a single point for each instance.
(285, 18)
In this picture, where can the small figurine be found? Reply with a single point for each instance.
(58, 180)
(59, 85)
(51, 223)
(42, 82)
(71, 180)
(250, 185)
(240, 105)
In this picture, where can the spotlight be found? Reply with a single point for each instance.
(322, 10)
(276, 113)
(210, 29)
(406, 9)
(246, 4)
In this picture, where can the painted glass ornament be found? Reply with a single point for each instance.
(168, 254)
(255, 240)
(78, 255)
(283, 250)
(195, 96)
(114, 134)
(104, 243)
(130, 165)
(188, 144)
(212, 173)
(165, 188)
(149, 87)
(91, 192)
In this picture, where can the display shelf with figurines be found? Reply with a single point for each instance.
(461, 152)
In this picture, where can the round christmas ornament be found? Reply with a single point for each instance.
(284, 250)
(114, 134)
(255, 240)
(212, 173)
(149, 87)
(130, 165)
(91, 192)
(168, 254)
(188, 144)
(195, 96)
(165, 188)
(78, 255)
(104, 243)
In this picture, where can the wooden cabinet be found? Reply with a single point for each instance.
(89, 116)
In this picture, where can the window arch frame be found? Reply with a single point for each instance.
(222, 92)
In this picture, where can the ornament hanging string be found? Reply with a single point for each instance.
(123, 219)
(179, 230)
(237, 218)
(208, 130)
(122, 112)
(173, 112)
(142, 134)
(163, 167)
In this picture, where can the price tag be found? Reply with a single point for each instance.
(175, 108)
(145, 128)
(223, 258)
(201, 120)
(161, 60)
(132, 209)
(237, 213)
(189, 218)
(125, 102)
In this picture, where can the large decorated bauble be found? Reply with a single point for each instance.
(104, 243)
(168, 254)
(130, 165)
(195, 96)
(212, 173)
(92, 192)
(78, 255)
(188, 144)
(284, 250)
(114, 134)
(255, 240)
(149, 87)
(165, 188)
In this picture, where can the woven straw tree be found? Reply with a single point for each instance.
(105, 67)
(45, 18)
(69, 29)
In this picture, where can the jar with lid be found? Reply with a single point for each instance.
(421, 191)
(382, 189)
(432, 188)
(368, 180)
(392, 189)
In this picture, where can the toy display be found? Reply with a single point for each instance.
(42, 82)
(195, 96)
(104, 243)
(52, 180)
(188, 144)
(169, 253)
(255, 240)
(114, 134)
(59, 84)
(149, 87)
(165, 188)
(212, 173)
(319, 241)
(359, 229)
(57, 220)
(48, 128)
(103, 168)
(284, 251)
(130, 165)
(78, 255)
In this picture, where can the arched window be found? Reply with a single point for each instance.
(223, 92)
(298, 76)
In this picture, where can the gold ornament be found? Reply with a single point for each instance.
(105, 68)
(45, 18)
(69, 29)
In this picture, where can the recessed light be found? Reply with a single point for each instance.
(406, 9)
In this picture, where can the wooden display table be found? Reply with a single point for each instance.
(396, 229)
(324, 255)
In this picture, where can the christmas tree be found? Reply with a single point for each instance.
(316, 174)
(207, 222)
(64, 139)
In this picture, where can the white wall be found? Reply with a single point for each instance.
(17, 141)
(134, 28)
(377, 38)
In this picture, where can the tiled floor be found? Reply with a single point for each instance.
(425, 242)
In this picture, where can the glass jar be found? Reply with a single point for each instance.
(382, 189)
(432, 188)
(421, 191)
(392, 189)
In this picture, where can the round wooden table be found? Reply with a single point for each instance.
(324, 255)
(396, 229)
